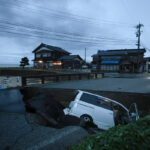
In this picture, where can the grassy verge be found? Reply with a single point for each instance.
(134, 136)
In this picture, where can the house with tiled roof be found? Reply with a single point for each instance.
(71, 62)
(122, 60)
(47, 56)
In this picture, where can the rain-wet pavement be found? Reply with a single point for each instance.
(21, 131)
(17, 134)
(11, 101)
(139, 83)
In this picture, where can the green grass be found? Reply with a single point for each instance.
(134, 136)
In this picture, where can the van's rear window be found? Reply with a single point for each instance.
(95, 100)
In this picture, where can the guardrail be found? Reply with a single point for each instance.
(59, 77)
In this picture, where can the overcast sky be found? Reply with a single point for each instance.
(70, 24)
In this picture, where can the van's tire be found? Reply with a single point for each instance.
(85, 120)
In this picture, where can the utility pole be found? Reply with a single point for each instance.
(85, 55)
(138, 34)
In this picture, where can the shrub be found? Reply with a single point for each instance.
(134, 136)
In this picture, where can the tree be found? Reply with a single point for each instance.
(24, 62)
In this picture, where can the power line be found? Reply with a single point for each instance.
(72, 17)
(65, 35)
(53, 38)
(38, 31)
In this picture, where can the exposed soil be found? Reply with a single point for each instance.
(64, 96)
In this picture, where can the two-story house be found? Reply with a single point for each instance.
(47, 56)
(123, 60)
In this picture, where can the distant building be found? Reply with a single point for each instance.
(147, 64)
(123, 60)
(46, 56)
(71, 62)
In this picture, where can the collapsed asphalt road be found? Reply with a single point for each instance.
(51, 110)
(36, 128)
(45, 106)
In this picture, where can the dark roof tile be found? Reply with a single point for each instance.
(70, 57)
(54, 48)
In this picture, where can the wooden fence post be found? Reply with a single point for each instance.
(57, 78)
(88, 76)
(80, 76)
(102, 75)
(96, 75)
(24, 81)
(42, 80)
(69, 77)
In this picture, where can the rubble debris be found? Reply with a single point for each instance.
(45, 106)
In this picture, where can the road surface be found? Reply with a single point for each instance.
(130, 83)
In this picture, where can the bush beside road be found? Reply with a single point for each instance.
(134, 136)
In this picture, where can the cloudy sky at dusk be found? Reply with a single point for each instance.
(70, 24)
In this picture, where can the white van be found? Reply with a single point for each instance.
(102, 111)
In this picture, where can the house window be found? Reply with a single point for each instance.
(133, 57)
(57, 63)
(38, 55)
(35, 64)
(46, 54)
(50, 64)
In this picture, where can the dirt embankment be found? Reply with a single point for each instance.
(64, 96)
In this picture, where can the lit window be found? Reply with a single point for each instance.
(57, 63)
(40, 61)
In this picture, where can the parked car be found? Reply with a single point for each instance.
(102, 111)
